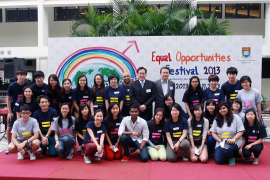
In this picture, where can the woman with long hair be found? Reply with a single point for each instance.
(53, 90)
(98, 94)
(64, 132)
(227, 130)
(193, 95)
(65, 94)
(237, 108)
(198, 127)
(80, 124)
(112, 123)
(156, 148)
(253, 137)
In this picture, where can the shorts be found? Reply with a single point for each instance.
(28, 145)
(10, 123)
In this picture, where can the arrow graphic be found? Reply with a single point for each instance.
(133, 43)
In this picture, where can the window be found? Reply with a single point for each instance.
(1, 15)
(207, 9)
(243, 11)
(21, 14)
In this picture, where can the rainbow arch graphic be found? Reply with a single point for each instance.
(104, 55)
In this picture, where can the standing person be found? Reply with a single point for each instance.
(227, 130)
(114, 93)
(176, 128)
(94, 137)
(45, 117)
(65, 95)
(237, 108)
(231, 87)
(125, 88)
(64, 133)
(39, 86)
(213, 92)
(198, 127)
(28, 98)
(250, 97)
(25, 135)
(82, 94)
(134, 133)
(98, 94)
(193, 95)
(168, 101)
(156, 148)
(53, 90)
(14, 93)
(112, 141)
(80, 125)
(164, 86)
(252, 137)
(142, 93)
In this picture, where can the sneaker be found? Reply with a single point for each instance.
(87, 160)
(97, 158)
(79, 148)
(231, 161)
(185, 159)
(39, 149)
(43, 152)
(82, 151)
(252, 156)
(125, 158)
(248, 159)
(6, 152)
(70, 155)
(20, 157)
(255, 161)
(32, 155)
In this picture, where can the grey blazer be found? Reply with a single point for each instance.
(160, 95)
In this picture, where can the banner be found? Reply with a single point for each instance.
(185, 55)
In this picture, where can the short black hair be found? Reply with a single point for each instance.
(213, 77)
(21, 71)
(232, 70)
(38, 73)
(134, 106)
(44, 97)
(113, 76)
(243, 78)
(165, 67)
(140, 68)
(238, 101)
(25, 107)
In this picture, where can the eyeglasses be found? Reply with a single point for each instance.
(25, 114)
(168, 100)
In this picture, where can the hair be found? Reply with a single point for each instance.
(193, 119)
(80, 118)
(25, 107)
(237, 100)
(140, 68)
(232, 70)
(165, 67)
(162, 122)
(198, 89)
(57, 87)
(95, 87)
(78, 87)
(256, 121)
(32, 96)
(229, 116)
(113, 76)
(21, 71)
(179, 108)
(167, 112)
(63, 91)
(207, 113)
(38, 73)
(60, 118)
(44, 97)
(110, 116)
(134, 106)
(213, 77)
(243, 78)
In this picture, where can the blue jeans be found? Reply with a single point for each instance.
(66, 144)
(211, 143)
(51, 145)
(222, 154)
(126, 142)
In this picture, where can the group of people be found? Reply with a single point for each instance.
(116, 121)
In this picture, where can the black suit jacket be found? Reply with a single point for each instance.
(160, 95)
(145, 95)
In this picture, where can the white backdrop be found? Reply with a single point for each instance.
(185, 55)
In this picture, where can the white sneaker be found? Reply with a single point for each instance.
(79, 148)
(20, 156)
(39, 149)
(87, 160)
(32, 155)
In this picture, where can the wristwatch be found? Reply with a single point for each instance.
(28, 141)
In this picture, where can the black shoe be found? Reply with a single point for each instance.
(43, 152)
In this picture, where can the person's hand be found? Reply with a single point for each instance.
(99, 148)
(209, 133)
(116, 144)
(142, 108)
(82, 145)
(111, 148)
(200, 149)
(57, 145)
(176, 146)
(240, 151)
(21, 146)
(157, 147)
(44, 140)
(137, 134)
(137, 152)
(9, 116)
(230, 141)
(248, 147)
(22, 151)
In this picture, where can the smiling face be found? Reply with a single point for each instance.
(169, 101)
(21, 77)
(223, 111)
(213, 84)
(164, 74)
(82, 81)
(194, 83)
(235, 106)
(158, 116)
(231, 76)
(98, 80)
(126, 77)
(141, 75)
(211, 107)
(198, 112)
(64, 110)
(85, 111)
(39, 80)
(44, 104)
(98, 117)
(250, 117)
(28, 93)
(53, 82)
(134, 112)
(113, 81)
(115, 110)
(175, 113)
(245, 84)
(67, 85)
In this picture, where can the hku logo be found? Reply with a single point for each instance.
(246, 51)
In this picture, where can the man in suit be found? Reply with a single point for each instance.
(142, 93)
(164, 86)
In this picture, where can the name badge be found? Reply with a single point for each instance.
(95, 106)
(160, 130)
(43, 90)
(199, 125)
(22, 128)
(255, 131)
(171, 88)
(70, 97)
(216, 94)
(128, 90)
(100, 131)
(237, 91)
(148, 90)
(116, 92)
(85, 96)
(17, 104)
(118, 124)
(176, 128)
